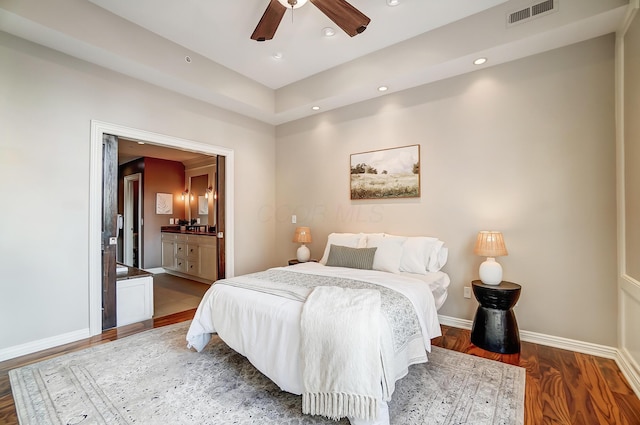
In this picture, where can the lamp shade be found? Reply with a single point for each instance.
(490, 244)
(302, 235)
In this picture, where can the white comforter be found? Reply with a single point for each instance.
(265, 328)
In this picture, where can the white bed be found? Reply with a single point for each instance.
(265, 327)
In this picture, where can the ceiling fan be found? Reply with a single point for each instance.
(347, 17)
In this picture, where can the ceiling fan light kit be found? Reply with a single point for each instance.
(343, 14)
(293, 4)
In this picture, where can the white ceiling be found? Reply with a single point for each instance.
(414, 43)
(220, 31)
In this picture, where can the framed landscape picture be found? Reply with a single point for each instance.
(387, 173)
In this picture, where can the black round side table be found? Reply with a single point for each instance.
(495, 327)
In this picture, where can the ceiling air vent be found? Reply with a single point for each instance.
(533, 11)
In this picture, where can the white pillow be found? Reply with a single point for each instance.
(389, 252)
(438, 257)
(416, 254)
(351, 240)
(367, 235)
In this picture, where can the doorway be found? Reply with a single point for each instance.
(98, 129)
(130, 225)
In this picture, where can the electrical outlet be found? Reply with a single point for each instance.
(294, 219)
(171, 221)
(467, 292)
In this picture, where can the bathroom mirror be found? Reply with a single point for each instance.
(201, 199)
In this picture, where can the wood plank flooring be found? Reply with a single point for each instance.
(562, 387)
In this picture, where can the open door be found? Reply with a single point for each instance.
(220, 215)
(109, 228)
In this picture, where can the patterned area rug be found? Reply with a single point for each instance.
(152, 378)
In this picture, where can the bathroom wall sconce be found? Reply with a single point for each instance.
(208, 191)
(184, 194)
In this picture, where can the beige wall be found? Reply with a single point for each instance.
(632, 147)
(527, 148)
(47, 102)
(630, 271)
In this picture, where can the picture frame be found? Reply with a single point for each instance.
(386, 174)
(164, 203)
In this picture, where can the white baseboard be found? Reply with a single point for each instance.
(455, 322)
(624, 361)
(549, 340)
(43, 344)
(630, 370)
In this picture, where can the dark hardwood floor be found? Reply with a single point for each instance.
(562, 387)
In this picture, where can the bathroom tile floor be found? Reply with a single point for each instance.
(173, 294)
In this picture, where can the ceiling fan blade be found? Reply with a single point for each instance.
(266, 28)
(347, 17)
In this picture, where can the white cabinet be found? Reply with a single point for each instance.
(134, 298)
(209, 260)
(190, 255)
(168, 251)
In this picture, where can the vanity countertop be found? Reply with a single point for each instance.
(131, 273)
(176, 229)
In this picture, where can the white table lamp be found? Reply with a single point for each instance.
(303, 236)
(490, 244)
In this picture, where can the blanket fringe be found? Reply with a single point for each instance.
(339, 405)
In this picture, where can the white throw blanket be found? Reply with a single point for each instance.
(340, 349)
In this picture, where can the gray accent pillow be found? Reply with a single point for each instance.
(355, 258)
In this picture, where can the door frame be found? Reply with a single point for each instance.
(128, 219)
(98, 128)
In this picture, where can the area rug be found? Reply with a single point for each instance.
(152, 378)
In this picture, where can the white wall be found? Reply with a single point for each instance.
(47, 101)
(527, 148)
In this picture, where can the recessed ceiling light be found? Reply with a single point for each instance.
(480, 61)
(187, 59)
(277, 56)
(141, 143)
(328, 32)
(393, 2)
(383, 88)
(315, 108)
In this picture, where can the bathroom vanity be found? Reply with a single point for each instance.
(190, 253)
